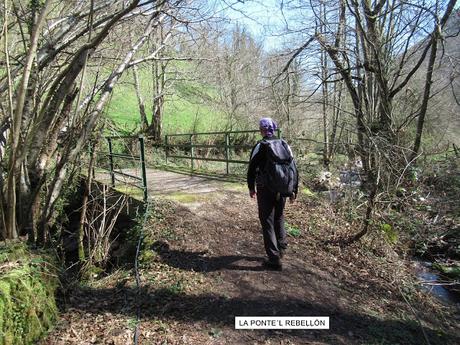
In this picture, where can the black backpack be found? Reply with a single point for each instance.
(279, 173)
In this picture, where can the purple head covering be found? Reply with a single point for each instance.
(268, 126)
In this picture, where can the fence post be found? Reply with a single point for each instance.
(144, 173)
(166, 148)
(227, 150)
(192, 150)
(112, 174)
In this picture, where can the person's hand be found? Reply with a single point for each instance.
(252, 194)
(292, 198)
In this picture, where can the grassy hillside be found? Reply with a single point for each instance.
(184, 110)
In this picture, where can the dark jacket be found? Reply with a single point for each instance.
(256, 163)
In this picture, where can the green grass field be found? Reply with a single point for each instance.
(184, 111)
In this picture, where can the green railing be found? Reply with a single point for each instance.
(191, 145)
(226, 149)
(140, 158)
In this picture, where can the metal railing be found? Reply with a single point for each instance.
(138, 158)
(225, 148)
(191, 146)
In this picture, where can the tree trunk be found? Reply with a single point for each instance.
(159, 71)
(436, 35)
(369, 209)
(337, 104)
(426, 97)
(140, 101)
(338, 86)
(325, 91)
(86, 194)
(73, 149)
(14, 162)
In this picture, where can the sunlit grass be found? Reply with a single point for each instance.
(184, 110)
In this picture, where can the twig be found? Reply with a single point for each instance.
(416, 316)
(437, 283)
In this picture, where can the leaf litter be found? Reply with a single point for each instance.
(201, 267)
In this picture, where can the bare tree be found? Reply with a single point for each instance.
(49, 125)
(282, 94)
(376, 53)
(234, 74)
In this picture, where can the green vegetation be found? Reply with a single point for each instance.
(175, 288)
(235, 186)
(390, 233)
(452, 271)
(292, 230)
(183, 115)
(215, 332)
(132, 191)
(184, 197)
(184, 110)
(306, 191)
(27, 286)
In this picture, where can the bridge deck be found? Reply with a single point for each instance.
(160, 182)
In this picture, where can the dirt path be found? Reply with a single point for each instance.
(202, 267)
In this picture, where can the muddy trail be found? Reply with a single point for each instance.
(201, 267)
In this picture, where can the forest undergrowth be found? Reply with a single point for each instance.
(200, 266)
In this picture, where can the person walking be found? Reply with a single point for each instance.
(272, 177)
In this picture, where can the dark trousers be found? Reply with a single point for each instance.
(271, 217)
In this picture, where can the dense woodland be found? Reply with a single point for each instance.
(370, 85)
(364, 77)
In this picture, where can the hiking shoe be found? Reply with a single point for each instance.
(272, 265)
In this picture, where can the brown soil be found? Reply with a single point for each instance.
(201, 267)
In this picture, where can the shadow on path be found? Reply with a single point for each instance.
(198, 262)
(219, 311)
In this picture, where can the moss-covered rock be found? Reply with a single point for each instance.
(451, 271)
(27, 286)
